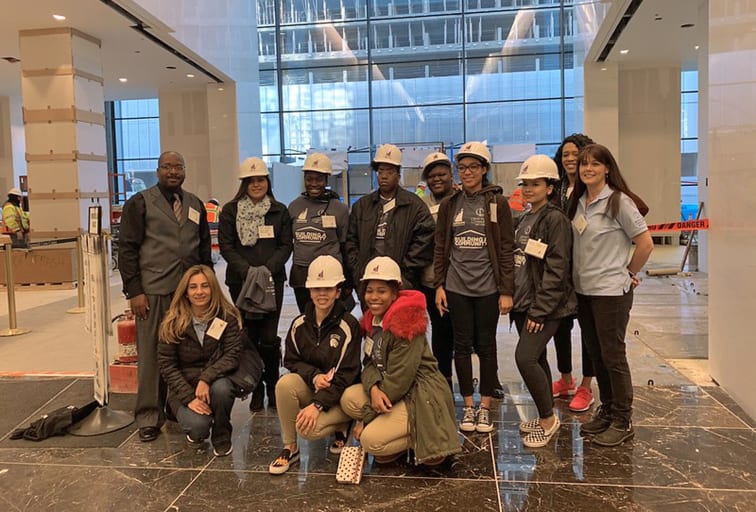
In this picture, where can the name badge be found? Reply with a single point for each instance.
(194, 215)
(215, 331)
(434, 209)
(265, 232)
(536, 248)
(389, 206)
(368, 345)
(494, 212)
(329, 221)
(580, 223)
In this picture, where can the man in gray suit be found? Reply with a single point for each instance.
(163, 232)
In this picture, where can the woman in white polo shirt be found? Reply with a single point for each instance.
(606, 223)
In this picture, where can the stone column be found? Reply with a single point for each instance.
(64, 122)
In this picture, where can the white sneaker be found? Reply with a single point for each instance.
(468, 419)
(484, 421)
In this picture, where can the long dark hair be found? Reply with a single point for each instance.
(613, 178)
(245, 183)
(580, 140)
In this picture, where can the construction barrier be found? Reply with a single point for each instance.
(687, 225)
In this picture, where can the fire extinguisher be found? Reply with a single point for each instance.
(126, 329)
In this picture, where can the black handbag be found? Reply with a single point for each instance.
(250, 369)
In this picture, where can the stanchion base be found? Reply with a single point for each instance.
(4, 333)
(102, 421)
(77, 310)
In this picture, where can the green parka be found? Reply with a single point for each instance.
(411, 374)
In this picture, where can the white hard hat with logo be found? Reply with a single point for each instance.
(432, 160)
(318, 162)
(476, 149)
(387, 154)
(15, 191)
(324, 272)
(253, 166)
(382, 268)
(538, 166)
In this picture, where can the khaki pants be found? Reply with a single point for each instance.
(388, 434)
(293, 394)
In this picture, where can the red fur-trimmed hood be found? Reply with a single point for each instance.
(406, 318)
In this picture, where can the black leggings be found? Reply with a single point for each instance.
(474, 321)
(563, 346)
(442, 337)
(530, 356)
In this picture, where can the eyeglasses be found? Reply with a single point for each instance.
(469, 168)
(169, 167)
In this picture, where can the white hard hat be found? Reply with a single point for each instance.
(383, 268)
(324, 272)
(253, 166)
(387, 154)
(15, 191)
(538, 166)
(432, 160)
(476, 149)
(318, 162)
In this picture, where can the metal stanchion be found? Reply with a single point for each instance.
(79, 279)
(12, 329)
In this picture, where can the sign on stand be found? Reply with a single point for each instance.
(98, 325)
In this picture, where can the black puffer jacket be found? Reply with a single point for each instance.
(271, 252)
(312, 350)
(409, 239)
(554, 294)
(185, 363)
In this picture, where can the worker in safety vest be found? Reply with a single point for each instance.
(15, 220)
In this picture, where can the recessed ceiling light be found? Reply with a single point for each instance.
(170, 67)
(189, 75)
(687, 25)
(59, 17)
(123, 80)
(696, 47)
(220, 88)
(624, 52)
(603, 69)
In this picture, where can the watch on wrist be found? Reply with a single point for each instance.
(318, 406)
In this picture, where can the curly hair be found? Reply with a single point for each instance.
(178, 318)
(579, 139)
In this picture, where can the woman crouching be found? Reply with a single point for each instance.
(403, 401)
(200, 342)
(323, 356)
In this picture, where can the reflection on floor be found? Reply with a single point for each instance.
(694, 449)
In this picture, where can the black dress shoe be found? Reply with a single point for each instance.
(147, 434)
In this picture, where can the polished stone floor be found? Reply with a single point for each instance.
(694, 449)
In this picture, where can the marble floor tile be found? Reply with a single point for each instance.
(310, 492)
(32, 488)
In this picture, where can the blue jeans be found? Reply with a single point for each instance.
(197, 426)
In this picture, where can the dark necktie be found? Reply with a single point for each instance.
(177, 206)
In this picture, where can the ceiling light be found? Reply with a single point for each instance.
(687, 25)
(170, 67)
(603, 69)
(189, 75)
(123, 80)
(59, 17)
(624, 52)
(696, 47)
(220, 88)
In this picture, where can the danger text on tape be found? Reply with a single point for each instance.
(688, 225)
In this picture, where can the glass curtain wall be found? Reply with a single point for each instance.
(353, 74)
(134, 146)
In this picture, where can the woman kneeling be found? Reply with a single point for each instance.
(403, 401)
(200, 343)
(323, 356)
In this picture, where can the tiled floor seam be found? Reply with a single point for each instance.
(172, 506)
(727, 409)
(631, 486)
(495, 473)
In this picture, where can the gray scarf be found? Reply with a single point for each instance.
(249, 218)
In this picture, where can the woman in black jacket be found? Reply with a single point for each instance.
(544, 294)
(323, 356)
(255, 231)
(200, 342)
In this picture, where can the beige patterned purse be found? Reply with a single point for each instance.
(351, 460)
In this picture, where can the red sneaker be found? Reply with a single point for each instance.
(560, 389)
(582, 400)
